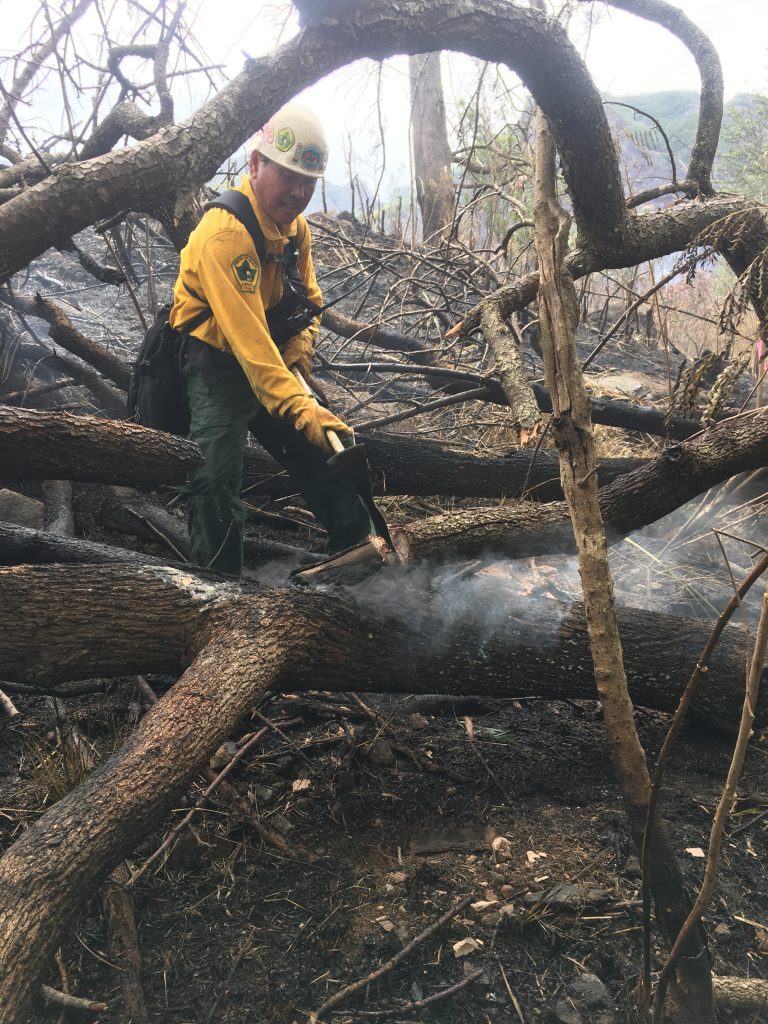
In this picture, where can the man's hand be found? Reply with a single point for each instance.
(297, 355)
(314, 420)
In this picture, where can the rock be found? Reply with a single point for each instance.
(22, 511)
(567, 1014)
(380, 753)
(723, 933)
(507, 890)
(261, 794)
(502, 847)
(398, 878)
(418, 721)
(223, 755)
(491, 919)
(465, 946)
(589, 1002)
(282, 824)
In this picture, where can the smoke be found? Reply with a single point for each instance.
(491, 596)
(676, 566)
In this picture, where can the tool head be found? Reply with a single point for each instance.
(353, 464)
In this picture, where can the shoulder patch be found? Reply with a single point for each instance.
(246, 270)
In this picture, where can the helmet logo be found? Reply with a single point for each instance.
(310, 158)
(284, 139)
(267, 133)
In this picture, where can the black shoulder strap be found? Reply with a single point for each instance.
(238, 205)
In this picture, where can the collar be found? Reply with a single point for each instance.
(272, 232)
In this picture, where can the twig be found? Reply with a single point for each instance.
(52, 997)
(723, 810)
(479, 394)
(345, 993)
(7, 705)
(749, 824)
(174, 834)
(409, 1008)
(674, 729)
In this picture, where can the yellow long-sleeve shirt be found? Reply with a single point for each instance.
(220, 264)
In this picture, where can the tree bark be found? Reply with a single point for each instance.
(40, 445)
(429, 143)
(509, 366)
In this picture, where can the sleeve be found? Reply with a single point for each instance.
(230, 273)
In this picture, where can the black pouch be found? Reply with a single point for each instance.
(155, 392)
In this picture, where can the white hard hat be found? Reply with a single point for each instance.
(294, 138)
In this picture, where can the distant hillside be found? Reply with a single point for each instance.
(643, 151)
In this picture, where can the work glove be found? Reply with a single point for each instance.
(313, 420)
(297, 354)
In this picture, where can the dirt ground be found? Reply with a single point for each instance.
(388, 810)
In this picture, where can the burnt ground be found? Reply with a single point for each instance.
(387, 811)
(386, 815)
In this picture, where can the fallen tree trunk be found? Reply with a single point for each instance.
(631, 502)
(388, 637)
(407, 465)
(19, 546)
(40, 446)
(237, 647)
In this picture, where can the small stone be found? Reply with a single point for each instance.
(385, 924)
(465, 946)
(482, 905)
(723, 932)
(471, 859)
(589, 990)
(496, 877)
(380, 753)
(398, 878)
(567, 1014)
(502, 847)
(491, 919)
(507, 890)
(491, 896)
(223, 755)
(418, 721)
(262, 794)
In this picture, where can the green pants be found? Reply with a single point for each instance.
(222, 409)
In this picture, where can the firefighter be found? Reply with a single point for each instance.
(236, 377)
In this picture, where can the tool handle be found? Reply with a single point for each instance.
(333, 438)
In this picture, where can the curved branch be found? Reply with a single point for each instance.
(710, 69)
(183, 156)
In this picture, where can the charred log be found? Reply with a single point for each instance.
(634, 500)
(39, 446)
(406, 465)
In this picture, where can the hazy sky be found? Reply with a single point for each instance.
(625, 55)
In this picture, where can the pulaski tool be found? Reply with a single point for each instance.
(355, 562)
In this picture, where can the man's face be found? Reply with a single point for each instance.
(281, 193)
